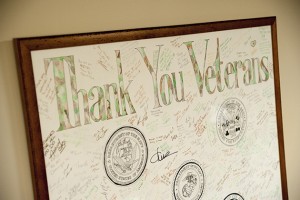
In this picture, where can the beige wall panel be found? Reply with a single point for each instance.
(36, 18)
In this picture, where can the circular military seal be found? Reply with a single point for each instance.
(234, 196)
(125, 155)
(231, 121)
(189, 182)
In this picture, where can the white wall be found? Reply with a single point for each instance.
(36, 18)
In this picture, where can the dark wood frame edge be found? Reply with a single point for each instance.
(279, 112)
(32, 123)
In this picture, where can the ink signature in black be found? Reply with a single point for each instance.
(159, 156)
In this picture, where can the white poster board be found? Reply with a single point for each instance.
(182, 117)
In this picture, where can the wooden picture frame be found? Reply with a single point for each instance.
(179, 112)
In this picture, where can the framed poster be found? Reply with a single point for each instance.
(184, 112)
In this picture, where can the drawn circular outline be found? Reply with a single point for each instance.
(181, 166)
(146, 157)
(234, 194)
(233, 98)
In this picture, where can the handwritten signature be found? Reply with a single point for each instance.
(52, 145)
(159, 156)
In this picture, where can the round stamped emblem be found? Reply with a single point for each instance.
(234, 196)
(125, 155)
(231, 121)
(189, 182)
